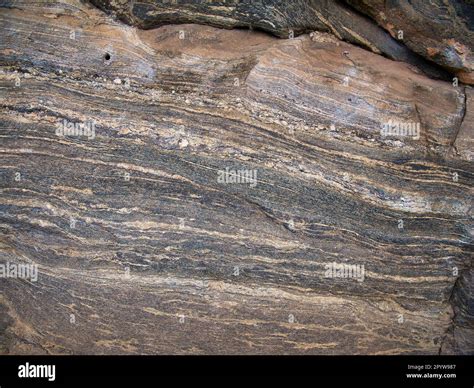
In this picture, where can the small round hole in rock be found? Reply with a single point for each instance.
(107, 56)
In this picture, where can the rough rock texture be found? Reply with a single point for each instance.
(440, 30)
(140, 247)
(465, 138)
(279, 17)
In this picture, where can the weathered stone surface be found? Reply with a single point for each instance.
(441, 30)
(465, 138)
(279, 17)
(140, 247)
(460, 336)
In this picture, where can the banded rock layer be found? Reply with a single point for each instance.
(441, 31)
(143, 249)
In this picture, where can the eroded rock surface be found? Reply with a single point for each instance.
(279, 17)
(142, 248)
(442, 31)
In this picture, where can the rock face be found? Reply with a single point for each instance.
(228, 192)
(440, 31)
(279, 17)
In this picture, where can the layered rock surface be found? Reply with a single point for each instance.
(142, 248)
(440, 31)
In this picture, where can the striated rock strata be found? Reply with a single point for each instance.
(441, 31)
(144, 245)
